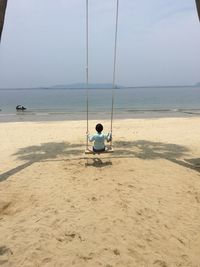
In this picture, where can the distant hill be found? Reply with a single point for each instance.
(71, 86)
(84, 86)
(98, 86)
(197, 84)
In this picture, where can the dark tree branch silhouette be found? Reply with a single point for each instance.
(198, 7)
(3, 5)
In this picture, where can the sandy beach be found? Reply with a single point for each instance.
(139, 206)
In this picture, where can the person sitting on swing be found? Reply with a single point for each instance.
(99, 138)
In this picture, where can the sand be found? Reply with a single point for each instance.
(139, 206)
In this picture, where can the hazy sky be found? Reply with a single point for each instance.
(43, 42)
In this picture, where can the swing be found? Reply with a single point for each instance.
(108, 149)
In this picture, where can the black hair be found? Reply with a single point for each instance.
(99, 127)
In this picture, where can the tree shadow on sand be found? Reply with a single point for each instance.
(146, 150)
(149, 150)
(43, 152)
(97, 163)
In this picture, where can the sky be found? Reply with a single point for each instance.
(44, 43)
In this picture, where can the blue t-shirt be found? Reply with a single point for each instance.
(99, 139)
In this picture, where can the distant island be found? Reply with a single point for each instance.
(84, 86)
(98, 86)
(109, 86)
(71, 86)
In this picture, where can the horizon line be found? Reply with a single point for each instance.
(116, 87)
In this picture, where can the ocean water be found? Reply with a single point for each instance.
(65, 104)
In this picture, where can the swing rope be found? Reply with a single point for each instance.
(114, 71)
(87, 76)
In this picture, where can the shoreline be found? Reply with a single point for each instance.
(30, 116)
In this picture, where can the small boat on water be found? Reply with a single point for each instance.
(20, 107)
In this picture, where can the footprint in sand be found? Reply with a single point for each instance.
(46, 260)
(87, 258)
(5, 207)
(131, 186)
(197, 197)
(94, 199)
(160, 263)
(116, 252)
(5, 250)
(145, 213)
(5, 253)
(195, 194)
(69, 237)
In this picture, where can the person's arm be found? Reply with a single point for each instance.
(109, 137)
(91, 138)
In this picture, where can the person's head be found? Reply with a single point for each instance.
(99, 127)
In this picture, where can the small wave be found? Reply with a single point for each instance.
(41, 114)
(7, 114)
(147, 110)
(192, 111)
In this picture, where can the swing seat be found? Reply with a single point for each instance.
(107, 151)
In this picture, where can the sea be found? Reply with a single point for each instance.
(43, 104)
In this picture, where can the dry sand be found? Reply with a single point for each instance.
(139, 206)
